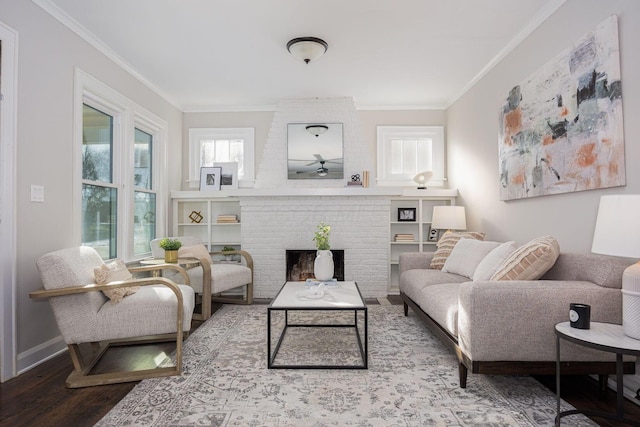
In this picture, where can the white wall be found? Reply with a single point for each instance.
(48, 55)
(472, 124)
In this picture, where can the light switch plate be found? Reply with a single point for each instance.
(37, 193)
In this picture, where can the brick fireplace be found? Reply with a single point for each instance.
(359, 225)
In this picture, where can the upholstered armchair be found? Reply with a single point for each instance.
(135, 310)
(211, 278)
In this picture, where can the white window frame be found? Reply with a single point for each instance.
(196, 135)
(386, 134)
(126, 116)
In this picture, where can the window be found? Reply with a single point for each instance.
(209, 145)
(404, 151)
(118, 150)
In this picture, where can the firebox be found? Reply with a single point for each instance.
(300, 264)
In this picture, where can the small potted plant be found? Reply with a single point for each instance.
(170, 247)
(228, 257)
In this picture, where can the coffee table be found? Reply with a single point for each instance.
(338, 297)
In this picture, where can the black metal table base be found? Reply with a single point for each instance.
(362, 341)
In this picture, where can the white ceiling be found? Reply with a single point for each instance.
(231, 54)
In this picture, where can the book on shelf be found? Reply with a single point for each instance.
(354, 184)
(228, 219)
(404, 238)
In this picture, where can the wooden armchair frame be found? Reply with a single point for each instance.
(80, 376)
(208, 298)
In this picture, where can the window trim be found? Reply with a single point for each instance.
(245, 133)
(436, 133)
(127, 115)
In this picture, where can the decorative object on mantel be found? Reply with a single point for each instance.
(228, 175)
(307, 49)
(196, 217)
(365, 179)
(448, 218)
(617, 234)
(170, 247)
(323, 265)
(355, 181)
(210, 178)
(561, 130)
(422, 178)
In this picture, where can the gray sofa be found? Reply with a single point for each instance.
(507, 327)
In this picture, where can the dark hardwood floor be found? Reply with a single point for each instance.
(40, 398)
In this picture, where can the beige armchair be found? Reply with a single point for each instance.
(210, 279)
(154, 309)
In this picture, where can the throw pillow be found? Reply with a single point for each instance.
(115, 271)
(466, 255)
(493, 261)
(194, 251)
(446, 243)
(529, 261)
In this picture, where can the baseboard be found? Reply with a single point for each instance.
(39, 354)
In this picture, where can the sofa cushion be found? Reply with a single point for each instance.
(447, 242)
(466, 255)
(115, 271)
(530, 261)
(493, 261)
(412, 282)
(440, 302)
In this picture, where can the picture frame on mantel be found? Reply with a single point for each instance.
(210, 178)
(229, 176)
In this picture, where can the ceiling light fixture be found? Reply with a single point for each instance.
(317, 129)
(307, 49)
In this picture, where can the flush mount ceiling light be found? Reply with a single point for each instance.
(307, 49)
(317, 129)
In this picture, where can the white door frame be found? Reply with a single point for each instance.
(8, 235)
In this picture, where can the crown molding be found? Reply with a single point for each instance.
(547, 10)
(86, 35)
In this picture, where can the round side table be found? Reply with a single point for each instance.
(605, 337)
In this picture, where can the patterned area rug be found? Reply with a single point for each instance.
(412, 380)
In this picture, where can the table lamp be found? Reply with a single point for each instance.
(617, 233)
(449, 218)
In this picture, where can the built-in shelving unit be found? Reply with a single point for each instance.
(413, 236)
(214, 234)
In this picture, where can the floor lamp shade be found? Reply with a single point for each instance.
(617, 233)
(449, 218)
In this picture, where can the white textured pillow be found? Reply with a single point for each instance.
(530, 261)
(466, 255)
(493, 261)
(115, 271)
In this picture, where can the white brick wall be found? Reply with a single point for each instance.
(359, 225)
(272, 170)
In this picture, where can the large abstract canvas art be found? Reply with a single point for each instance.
(561, 130)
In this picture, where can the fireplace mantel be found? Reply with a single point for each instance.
(316, 192)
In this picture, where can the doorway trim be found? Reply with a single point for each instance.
(8, 234)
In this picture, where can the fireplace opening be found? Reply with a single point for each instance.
(300, 264)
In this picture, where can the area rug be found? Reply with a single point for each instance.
(412, 380)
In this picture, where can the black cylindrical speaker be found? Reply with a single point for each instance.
(579, 315)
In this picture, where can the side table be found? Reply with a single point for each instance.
(605, 337)
(187, 263)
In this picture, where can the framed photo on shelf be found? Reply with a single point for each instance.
(210, 178)
(433, 235)
(229, 178)
(407, 214)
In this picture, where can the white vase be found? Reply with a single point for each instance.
(323, 265)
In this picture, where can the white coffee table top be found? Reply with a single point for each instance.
(604, 335)
(300, 295)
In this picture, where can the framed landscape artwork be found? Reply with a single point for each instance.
(229, 177)
(561, 129)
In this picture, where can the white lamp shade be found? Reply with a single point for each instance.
(617, 231)
(449, 218)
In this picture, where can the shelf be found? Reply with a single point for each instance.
(314, 192)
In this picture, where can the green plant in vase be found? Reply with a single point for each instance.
(321, 237)
(323, 264)
(228, 256)
(170, 247)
